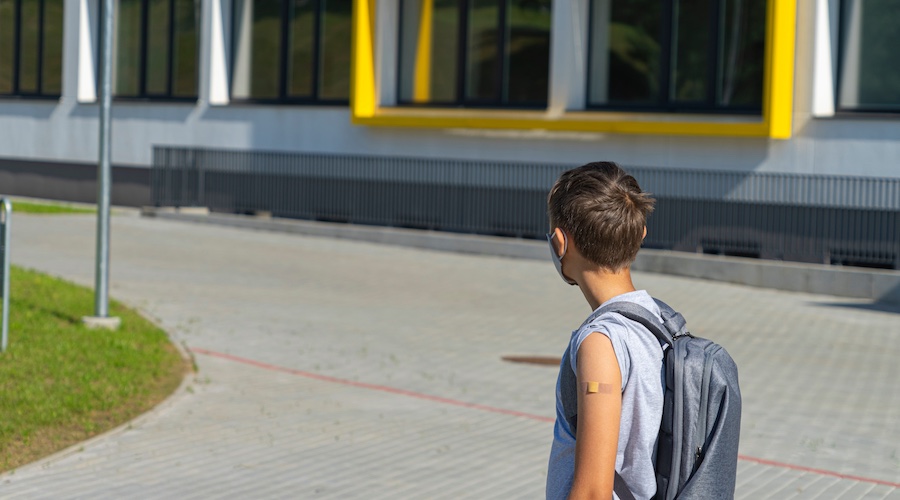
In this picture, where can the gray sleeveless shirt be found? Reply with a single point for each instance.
(640, 363)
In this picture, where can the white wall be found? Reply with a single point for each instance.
(67, 132)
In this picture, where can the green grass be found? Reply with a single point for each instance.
(27, 207)
(60, 382)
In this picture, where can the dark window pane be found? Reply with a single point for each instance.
(265, 68)
(528, 51)
(128, 48)
(506, 44)
(691, 39)
(155, 48)
(30, 43)
(52, 63)
(711, 51)
(742, 59)
(444, 67)
(267, 65)
(625, 51)
(483, 50)
(429, 51)
(157, 82)
(7, 45)
(334, 76)
(415, 52)
(242, 48)
(302, 47)
(257, 49)
(870, 74)
(184, 50)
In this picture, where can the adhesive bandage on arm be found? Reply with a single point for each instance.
(596, 387)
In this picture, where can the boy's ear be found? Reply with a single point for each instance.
(559, 241)
(645, 233)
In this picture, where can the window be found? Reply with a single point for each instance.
(758, 67)
(31, 47)
(475, 52)
(156, 49)
(292, 50)
(678, 55)
(870, 76)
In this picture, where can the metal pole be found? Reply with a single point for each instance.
(101, 303)
(5, 220)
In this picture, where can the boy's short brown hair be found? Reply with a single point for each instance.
(603, 210)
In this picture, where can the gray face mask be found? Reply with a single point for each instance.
(557, 259)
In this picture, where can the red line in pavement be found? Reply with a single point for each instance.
(823, 472)
(474, 406)
(374, 387)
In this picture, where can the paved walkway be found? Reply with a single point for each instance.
(336, 369)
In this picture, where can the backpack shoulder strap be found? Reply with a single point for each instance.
(621, 488)
(672, 326)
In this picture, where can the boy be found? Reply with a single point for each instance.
(598, 219)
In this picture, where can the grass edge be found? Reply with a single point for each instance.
(189, 376)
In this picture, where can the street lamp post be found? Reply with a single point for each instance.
(101, 316)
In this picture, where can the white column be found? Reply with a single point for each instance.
(215, 38)
(825, 52)
(80, 50)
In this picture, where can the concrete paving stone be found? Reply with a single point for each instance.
(860, 490)
(793, 485)
(840, 489)
(878, 492)
(282, 326)
(748, 473)
(814, 487)
(772, 480)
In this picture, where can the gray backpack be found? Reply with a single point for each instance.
(696, 455)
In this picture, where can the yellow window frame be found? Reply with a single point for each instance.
(775, 122)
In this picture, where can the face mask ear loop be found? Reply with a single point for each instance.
(557, 258)
(565, 249)
(565, 244)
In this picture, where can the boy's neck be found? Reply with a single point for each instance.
(601, 285)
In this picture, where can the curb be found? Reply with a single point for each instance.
(877, 285)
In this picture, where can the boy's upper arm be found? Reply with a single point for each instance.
(599, 411)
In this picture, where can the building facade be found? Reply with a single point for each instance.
(785, 110)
